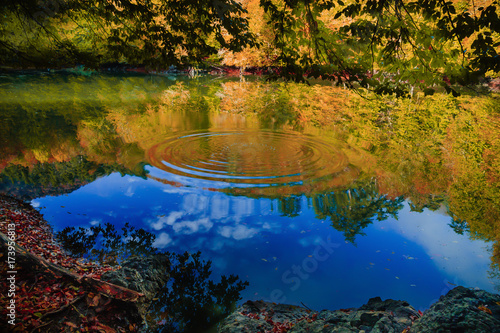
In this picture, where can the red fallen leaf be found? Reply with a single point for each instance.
(484, 309)
(70, 324)
(98, 327)
(420, 313)
(93, 301)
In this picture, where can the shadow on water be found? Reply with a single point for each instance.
(189, 301)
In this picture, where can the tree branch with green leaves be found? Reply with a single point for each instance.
(389, 46)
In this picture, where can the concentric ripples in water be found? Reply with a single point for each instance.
(248, 157)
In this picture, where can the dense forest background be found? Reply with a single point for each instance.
(387, 46)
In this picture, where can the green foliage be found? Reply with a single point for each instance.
(352, 210)
(104, 244)
(432, 202)
(386, 46)
(58, 177)
(151, 33)
(190, 302)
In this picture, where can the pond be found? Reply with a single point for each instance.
(312, 194)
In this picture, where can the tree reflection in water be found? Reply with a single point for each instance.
(352, 210)
(189, 302)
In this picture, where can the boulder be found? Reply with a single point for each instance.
(375, 316)
(462, 310)
(143, 274)
(146, 275)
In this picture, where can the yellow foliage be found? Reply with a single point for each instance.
(42, 155)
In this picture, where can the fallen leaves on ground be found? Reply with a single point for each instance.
(35, 235)
(41, 293)
(278, 327)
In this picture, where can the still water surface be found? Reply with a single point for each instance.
(294, 210)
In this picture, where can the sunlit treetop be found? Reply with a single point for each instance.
(151, 33)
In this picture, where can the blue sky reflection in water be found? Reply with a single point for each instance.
(214, 159)
(290, 259)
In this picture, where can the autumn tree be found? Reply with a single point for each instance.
(151, 33)
(263, 53)
(387, 46)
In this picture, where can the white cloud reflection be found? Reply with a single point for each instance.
(219, 207)
(162, 240)
(456, 255)
(194, 203)
(166, 220)
(181, 227)
(95, 222)
(130, 192)
(190, 227)
(237, 232)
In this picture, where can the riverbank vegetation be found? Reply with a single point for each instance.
(384, 46)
